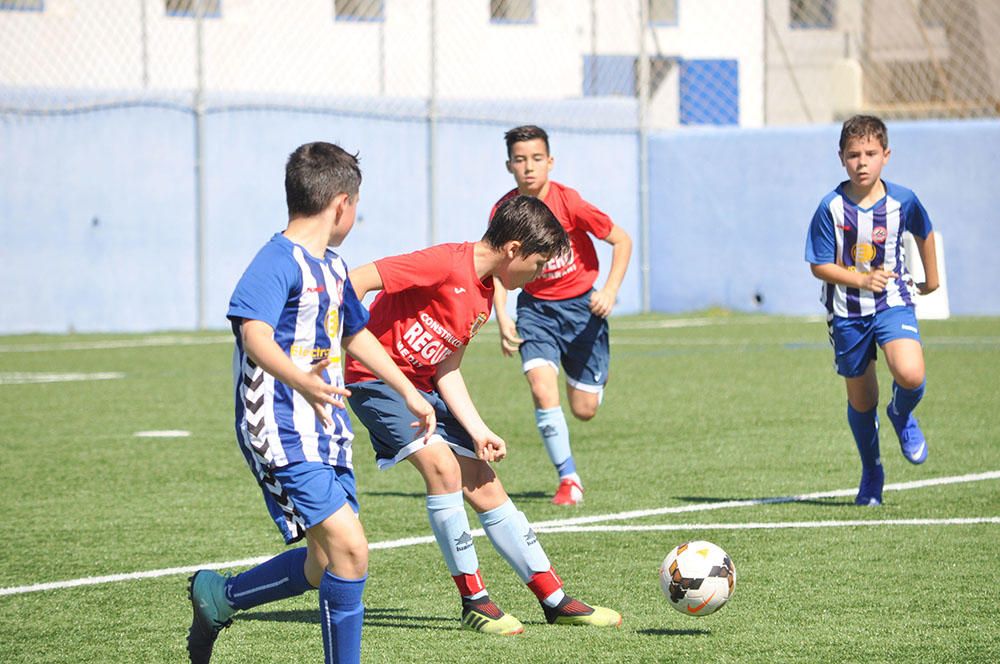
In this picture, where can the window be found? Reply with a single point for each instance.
(512, 11)
(662, 12)
(812, 13)
(617, 75)
(206, 8)
(710, 92)
(358, 10)
(22, 5)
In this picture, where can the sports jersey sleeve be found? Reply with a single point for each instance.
(420, 269)
(265, 287)
(587, 216)
(355, 314)
(916, 219)
(821, 245)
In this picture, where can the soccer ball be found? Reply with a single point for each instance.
(698, 578)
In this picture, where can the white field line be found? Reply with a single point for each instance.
(770, 526)
(141, 342)
(743, 341)
(31, 378)
(576, 525)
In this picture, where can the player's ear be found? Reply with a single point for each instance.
(887, 153)
(840, 155)
(509, 169)
(512, 249)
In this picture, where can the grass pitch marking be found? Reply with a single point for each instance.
(30, 378)
(141, 342)
(166, 433)
(578, 525)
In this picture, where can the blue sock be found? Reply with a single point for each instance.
(513, 538)
(904, 401)
(864, 426)
(341, 615)
(552, 426)
(280, 577)
(451, 529)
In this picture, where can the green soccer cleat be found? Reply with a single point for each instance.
(212, 613)
(574, 612)
(482, 615)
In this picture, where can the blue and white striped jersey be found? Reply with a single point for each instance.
(310, 303)
(863, 239)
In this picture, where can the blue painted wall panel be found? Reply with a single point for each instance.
(97, 221)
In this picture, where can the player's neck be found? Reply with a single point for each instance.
(313, 233)
(868, 196)
(485, 260)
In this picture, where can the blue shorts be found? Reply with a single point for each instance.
(384, 414)
(564, 332)
(855, 339)
(303, 494)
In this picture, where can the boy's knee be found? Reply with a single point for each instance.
(584, 412)
(910, 378)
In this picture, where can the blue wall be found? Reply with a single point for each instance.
(97, 208)
(730, 209)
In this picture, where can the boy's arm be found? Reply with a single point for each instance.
(509, 341)
(259, 344)
(451, 386)
(832, 273)
(365, 279)
(927, 249)
(603, 301)
(368, 350)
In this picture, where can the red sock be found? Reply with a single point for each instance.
(544, 584)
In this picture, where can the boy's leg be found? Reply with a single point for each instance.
(552, 426)
(450, 525)
(862, 416)
(906, 363)
(339, 542)
(512, 536)
(539, 323)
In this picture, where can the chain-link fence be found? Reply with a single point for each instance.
(576, 63)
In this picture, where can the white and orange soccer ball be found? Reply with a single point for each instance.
(698, 578)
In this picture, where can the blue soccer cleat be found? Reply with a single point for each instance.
(870, 489)
(212, 614)
(911, 439)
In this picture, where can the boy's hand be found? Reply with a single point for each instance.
(489, 446)
(509, 341)
(314, 389)
(924, 289)
(602, 302)
(876, 280)
(426, 419)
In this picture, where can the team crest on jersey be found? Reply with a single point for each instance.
(863, 252)
(478, 323)
(879, 234)
(332, 323)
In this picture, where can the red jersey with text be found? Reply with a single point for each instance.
(573, 274)
(431, 305)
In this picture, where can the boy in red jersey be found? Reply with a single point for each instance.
(561, 318)
(431, 305)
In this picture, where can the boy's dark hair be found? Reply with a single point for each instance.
(315, 174)
(525, 133)
(529, 221)
(862, 126)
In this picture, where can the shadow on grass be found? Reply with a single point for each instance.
(374, 617)
(674, 632)
(826, 502)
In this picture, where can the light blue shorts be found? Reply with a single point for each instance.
(384, 414)
(566, 333)
(855, 340)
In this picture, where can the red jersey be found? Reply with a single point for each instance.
(569, 276)
(431, 305)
